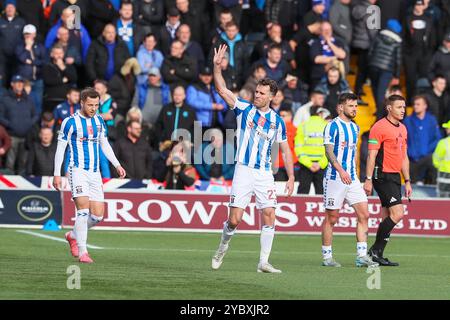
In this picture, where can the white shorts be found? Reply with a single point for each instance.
(248, 181)
(335, 192)
(85, 183)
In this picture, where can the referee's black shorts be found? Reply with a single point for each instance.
(389, 189)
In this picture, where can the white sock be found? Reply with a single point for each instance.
(267, 234)
(361, 249)
(93, 220)
(81, 228)
(227, 233)
(327, 252)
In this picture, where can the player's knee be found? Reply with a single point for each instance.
(332, 219)
(363, 217)
(233, 222)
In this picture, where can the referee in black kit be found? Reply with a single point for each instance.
(387, 159)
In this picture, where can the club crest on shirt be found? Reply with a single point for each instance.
(261, 121)
(90, 130)
(272, 126)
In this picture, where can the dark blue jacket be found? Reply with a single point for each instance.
(279, 73)
(17, 115)
(423, 135)
(62, 111)
(204, 169)
(10, 34)
(84, 36)
(200, 99)
(26, 70)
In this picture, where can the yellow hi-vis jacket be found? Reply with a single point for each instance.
(441, 155)
(309, 146)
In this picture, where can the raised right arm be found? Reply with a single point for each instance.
(219, 81)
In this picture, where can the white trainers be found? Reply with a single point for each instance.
(217, 259)
(267, 268)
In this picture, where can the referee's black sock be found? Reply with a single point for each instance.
(383, 234)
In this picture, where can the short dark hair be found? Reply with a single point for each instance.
(439, 75)
(47, 116)
(231, 24)
(103, 82)
(269, 82)
(287, 109)
(344, 97)
(276, 46)
(226, 11)
(72, 89)
(148, 35)
(89, 93)
(125, 2)
(57, 46)
(394, 97)
(395, 87)
(315, 91)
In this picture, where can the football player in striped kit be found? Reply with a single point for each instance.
(84, 133)
(258, 126)
(341, 182)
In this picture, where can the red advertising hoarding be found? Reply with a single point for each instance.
(192, 211)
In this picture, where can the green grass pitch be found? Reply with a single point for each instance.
(168, 265)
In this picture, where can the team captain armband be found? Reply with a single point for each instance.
(373, 141)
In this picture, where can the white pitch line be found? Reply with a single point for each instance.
(274, 252)
(209, 251)
(40, 235)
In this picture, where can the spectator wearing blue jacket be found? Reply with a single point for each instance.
(68, 107)
(78, 38)
(17, 115)
(31, 57)
(214, 161)
(423, 136)
(148, 58)
(11, 26)
(204, 99)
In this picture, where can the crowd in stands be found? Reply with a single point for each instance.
(151, 63)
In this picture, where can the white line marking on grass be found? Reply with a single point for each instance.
(318, 253)
(45, 236)
(273, 252)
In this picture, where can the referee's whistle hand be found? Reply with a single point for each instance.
(368, 187)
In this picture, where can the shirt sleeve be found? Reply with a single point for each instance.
(330, 133)
(65, 131)
(106, 147)
(375, 138)
(281, 132)
(239, 106)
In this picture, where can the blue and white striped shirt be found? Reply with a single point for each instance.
(344, 137)
(256, 132)
(84, 136)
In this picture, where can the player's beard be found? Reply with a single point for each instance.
(349, 115)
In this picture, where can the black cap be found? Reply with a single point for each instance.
(447, 37)
(311, 18)
(206, 71)
(173, 12)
